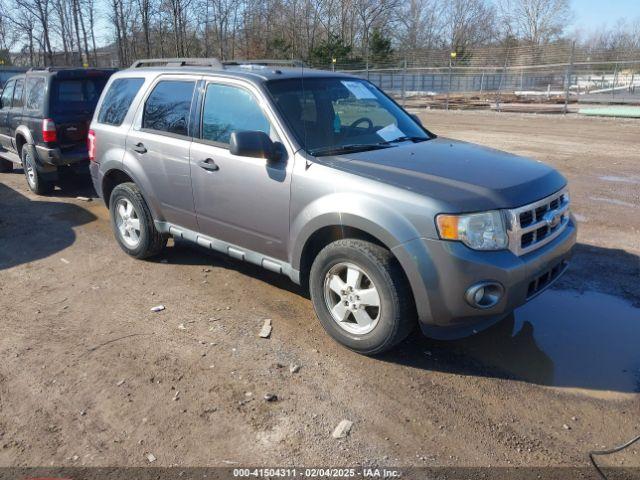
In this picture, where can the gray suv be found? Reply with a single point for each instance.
(323, 178)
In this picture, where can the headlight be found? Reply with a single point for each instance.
(480, 231)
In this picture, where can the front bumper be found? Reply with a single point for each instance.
(440, 273)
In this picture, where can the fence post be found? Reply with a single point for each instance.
(449, 83)
(567, 86)
(404, 79)
(504, 73)
(615, 81)
(481, 81)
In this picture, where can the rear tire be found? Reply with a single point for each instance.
(132, 222)
(361, 296)
(36, 183)
(5, 166)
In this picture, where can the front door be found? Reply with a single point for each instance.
(160, 140)
(240, 200)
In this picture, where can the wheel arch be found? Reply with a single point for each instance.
(117, 175)
(329, 227)
(23, 137)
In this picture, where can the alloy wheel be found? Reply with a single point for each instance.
(352, 298)
(127, 222)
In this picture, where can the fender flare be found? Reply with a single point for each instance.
(151, 200)
(26, 133)
(341, 209)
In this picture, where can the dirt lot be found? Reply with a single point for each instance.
(90, 376)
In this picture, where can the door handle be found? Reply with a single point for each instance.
(140, 148)
(209, 164)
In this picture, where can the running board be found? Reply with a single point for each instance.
(12, 157)
(229, 249)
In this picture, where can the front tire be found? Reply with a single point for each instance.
(132, 222)
(37, 184)
(361, 296)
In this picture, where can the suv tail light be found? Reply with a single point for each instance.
(49, 133)
(91, 145)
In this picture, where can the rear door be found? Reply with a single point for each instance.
(160, 139)
(72, 102)
(7, 96)
(14, 116)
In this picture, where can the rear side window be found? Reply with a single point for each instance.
(17, 93)
(34, 93)
(7, 93)
(168, 107)
(77, 95)
(118, 99)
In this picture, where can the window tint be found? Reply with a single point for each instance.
(34, 93)
(17, 93)
(7, 93)
(118, 99)
(228, 109)
(168, 107)
(77, 95)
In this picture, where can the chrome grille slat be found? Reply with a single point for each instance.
(529, 237)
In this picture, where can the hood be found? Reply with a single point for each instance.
(464, 176)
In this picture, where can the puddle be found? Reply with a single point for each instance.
(566, 339)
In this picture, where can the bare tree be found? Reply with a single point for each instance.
(468, 23)
(418, 24)
(537, 22)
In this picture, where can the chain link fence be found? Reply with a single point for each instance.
(559, 74)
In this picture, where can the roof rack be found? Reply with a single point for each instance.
(266, 63)
(177, 62)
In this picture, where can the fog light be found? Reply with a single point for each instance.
(484, 295)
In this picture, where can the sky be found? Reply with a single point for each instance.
(595, 14)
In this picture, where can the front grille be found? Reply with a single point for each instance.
(532, 226)
(542, 281)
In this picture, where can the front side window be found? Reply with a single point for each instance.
(7, 94)
(34, 93)
(17, 93)
(338, 114)
(229, 109)
(118, 99)
(168, 107)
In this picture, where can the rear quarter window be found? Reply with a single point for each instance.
(118, 99)
(34, 93)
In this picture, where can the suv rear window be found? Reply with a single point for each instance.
(76, 95)
(168, 107)
(118, 99)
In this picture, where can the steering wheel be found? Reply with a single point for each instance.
(362, 120)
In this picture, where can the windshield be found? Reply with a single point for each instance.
(333, 115)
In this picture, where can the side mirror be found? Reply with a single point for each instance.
(255, 145)
(416, 118)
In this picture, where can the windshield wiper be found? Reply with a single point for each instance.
(404, 139)
(354, 147)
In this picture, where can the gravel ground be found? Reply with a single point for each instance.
(90, 376)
